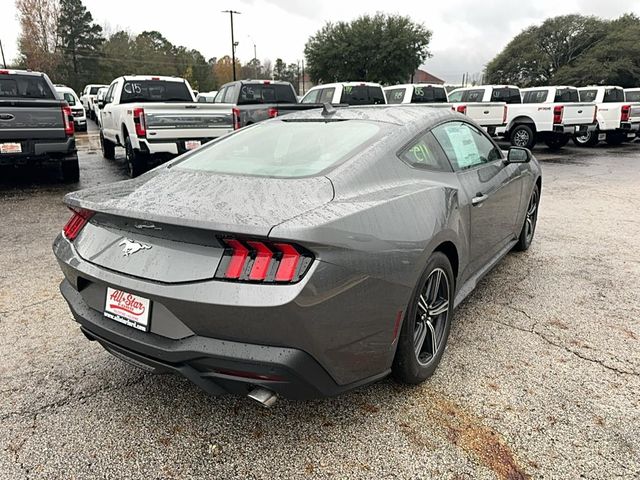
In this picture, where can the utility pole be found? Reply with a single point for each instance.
(4, 62)
(255, 58)
(233, 42)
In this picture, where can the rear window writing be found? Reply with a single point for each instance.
(588, 95)
(472, 96)
(395, 95)
(284, 148)
(266, 93)
(362, 95)
(429, 94)
(632, 96)
(566, 95)
(154, 91)
(534, 96)
(613, 95)
(25, 86)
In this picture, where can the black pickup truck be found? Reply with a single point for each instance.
(36, 126)
(255, 100)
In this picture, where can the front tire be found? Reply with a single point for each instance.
(522, 136)
(426, 324)
(530, 222)
(136, 161)
(108, 147)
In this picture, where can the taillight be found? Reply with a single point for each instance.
(272, 112)
(558, 112)
(235, 113)
(462, 109)
(67, 118)
(140, 121)
(76, 223)
(504, 114)
(626, 113)
(263, 262)
(4, 72)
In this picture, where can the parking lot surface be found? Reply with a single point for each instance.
(540, 378)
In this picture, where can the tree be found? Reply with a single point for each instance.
(38, 40)
(79, 42)
(223, 72)
(380, 48)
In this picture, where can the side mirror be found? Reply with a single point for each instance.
(518, 155)
(101, 104)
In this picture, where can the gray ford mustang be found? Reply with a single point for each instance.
(303, 256)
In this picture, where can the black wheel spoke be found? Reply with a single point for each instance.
(432, 311)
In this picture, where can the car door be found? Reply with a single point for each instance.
(107, 116)
(491, 191)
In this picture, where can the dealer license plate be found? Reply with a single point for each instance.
(191, 144)
(10, 148)
(127, 308)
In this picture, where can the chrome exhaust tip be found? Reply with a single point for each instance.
(264, 397)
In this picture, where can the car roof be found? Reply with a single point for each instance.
(22, 72)
(405, 85)
(591, 87)
(346, 84)
(151, 77)
(64, 88)
(547, 86)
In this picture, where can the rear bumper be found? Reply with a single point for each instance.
(574, 129)
(629, 127)
(217, 366)
(40, 152)
(176, 146)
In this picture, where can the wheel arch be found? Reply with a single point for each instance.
(522, 120)
(451, 251)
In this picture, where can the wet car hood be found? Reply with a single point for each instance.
(225, 203)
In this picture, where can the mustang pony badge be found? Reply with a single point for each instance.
(131, 247)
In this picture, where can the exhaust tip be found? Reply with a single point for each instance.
(264, 397)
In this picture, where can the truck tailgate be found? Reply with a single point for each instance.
(32, 119)
(187, 120)
(634, 113)
(578, 113)
(486, 114)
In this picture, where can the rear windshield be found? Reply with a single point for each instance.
(429, 95)
(566, 95)
(534, 96)
(260, 93)
(284, 148)
(613, 95)
(472, 96)
(362, 95)
(588, 95)
(632, 96)
(154, 91)
(507, 95)
(24, 86)
(69, 98)
(395, 95)
(93, 90)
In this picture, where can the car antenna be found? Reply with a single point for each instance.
(328, 109)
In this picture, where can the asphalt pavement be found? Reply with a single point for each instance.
(541, 377)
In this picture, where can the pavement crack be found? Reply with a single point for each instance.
(29, 305)
(577, 354)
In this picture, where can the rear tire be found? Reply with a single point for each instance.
(522, 136)
(589, 139)
(108, 147)
(136, 161)
(556, 142)
(70, 169)
(426, 325)
(530, 221)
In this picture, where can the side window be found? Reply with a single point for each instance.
(231, 95)
(376, 96)
(514, 96)
(455, 97)
(311, 97)
(109, 95)
(220, 95)
(465, 146)
(326, 95)
(425, 152)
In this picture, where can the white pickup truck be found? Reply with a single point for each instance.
(88, 98)
(486, 105)
(157, 118)
(618, 120)
(346, 93)
(488, 115)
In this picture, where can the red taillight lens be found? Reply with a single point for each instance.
(76, 223)
(4, 72)
(67, 118)
(558, 112)
(235, 113)
(626, 113)
(272, 112)
(258, 261)
(462, 109)
(140, 121)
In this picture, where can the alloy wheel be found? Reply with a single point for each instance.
(521, 138)
(532, 215)
(431, 316)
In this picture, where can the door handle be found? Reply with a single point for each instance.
(478, 199)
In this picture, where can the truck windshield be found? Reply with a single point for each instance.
(24, 86)
(362, 95)
(284, 148)
(71, 100)
(254, 93)
(94, 90)
(588, 95)
(632, 96)
(154, 91)
(566, 95)
(429, 94)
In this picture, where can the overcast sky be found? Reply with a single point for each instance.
(466, 33)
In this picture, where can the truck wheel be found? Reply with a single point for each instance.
(136, 161)
(108, 147)
(70, 169)
(522, 136)
(556, 142)
(616, 138)
(588, 139)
